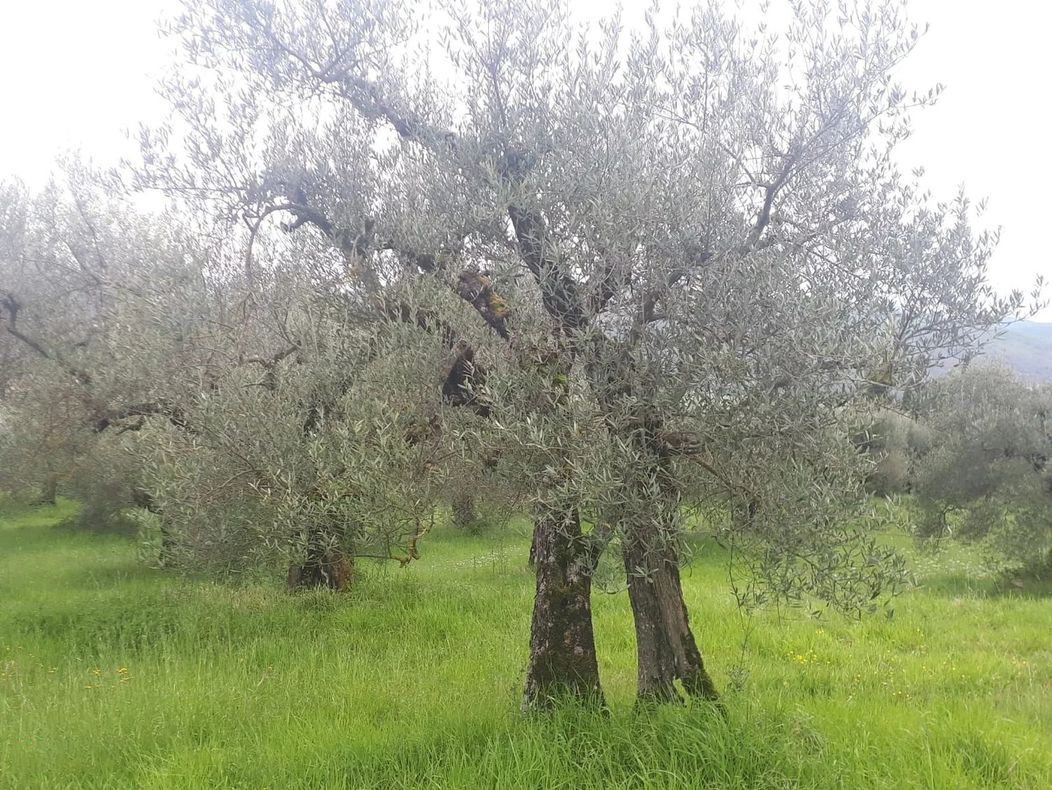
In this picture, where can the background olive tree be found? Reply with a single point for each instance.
(156, 372)
(93, 298)
(986, 477)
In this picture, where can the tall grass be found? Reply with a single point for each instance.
(114, 675)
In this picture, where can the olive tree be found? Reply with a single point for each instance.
(658, 265)
(154, 372)
(893, 439)
(116, 318)
(986, 477)
(79, 272)
(320, 457)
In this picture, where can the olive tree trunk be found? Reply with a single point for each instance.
(142, 498)
(462, 512)
(48, 494)
(324, 565)
(666, 650)
(562, 646)
(665, 646)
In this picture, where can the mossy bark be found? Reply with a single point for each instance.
(563, 662)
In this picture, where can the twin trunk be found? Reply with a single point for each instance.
(562, 645)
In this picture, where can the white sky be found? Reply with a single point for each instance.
(77, 73)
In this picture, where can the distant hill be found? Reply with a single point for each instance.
(1026, 347)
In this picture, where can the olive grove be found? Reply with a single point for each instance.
(626, 278)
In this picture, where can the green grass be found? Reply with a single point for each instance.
(114, 675)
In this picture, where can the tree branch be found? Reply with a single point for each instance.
(175, 415)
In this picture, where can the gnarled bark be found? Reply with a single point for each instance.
(657, 668)
(665, 646)
(562, 645)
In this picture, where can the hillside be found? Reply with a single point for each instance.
(1026, 347)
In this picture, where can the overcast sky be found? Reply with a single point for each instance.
(78, 73)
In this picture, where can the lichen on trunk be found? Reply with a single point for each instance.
(563, 662)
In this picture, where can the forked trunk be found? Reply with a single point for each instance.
(563, 662)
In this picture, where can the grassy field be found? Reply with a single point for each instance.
(114, 675)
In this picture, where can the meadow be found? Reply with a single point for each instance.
(116, 675)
